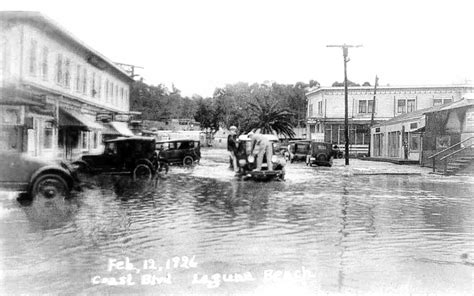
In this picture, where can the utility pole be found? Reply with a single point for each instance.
(345, 51)
(130, 69)
(373, 111)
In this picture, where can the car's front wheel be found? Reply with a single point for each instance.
(188, 160)
(142, 172)
(49, 186)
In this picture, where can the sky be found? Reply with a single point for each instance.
(199, 45)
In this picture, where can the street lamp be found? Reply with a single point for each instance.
(345, 51)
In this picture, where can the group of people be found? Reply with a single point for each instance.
(259, 146)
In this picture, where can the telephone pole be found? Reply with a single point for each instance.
(373, 112)
(345, 51)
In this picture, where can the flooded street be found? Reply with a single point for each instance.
(202, 230)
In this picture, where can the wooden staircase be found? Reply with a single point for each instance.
(460, 164)
(456, 159)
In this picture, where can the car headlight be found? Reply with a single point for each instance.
(251, 158)
(274, 159)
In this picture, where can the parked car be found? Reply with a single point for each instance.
(36, 177)
(321, 154)
(134, 155)
(247, 163)
(185, 152)
(298, 150)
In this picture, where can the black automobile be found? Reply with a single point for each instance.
(321, 154)
(185, 152)
(298, 150)
(134, 155)
(247, 162)
(36, 177)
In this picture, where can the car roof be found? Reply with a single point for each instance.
(135, 138)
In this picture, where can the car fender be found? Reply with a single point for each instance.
(147, 162)
(55, 170)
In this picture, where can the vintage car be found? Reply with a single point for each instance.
(36, 177)
(321, 154)
(298, 150)
(247, 162)
(134, 155)
(185, 152)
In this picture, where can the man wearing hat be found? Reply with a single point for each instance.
(232, 147)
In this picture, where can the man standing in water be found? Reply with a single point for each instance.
(260, 144)
(232, 147)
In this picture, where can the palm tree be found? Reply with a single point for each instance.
(269, 117)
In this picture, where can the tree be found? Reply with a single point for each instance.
(206, 115)
(266, 114)
(349, 83)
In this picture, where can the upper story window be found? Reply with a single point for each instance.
(33, 56)
(441, 101)
(44, 63)
(366, 106)
(320, 107)
(401, 106)
(78, 78)
(59, 68)
(84, 81)
(93, 86)
(67, 73)
(106, 90)
(310, 110)
(99, 87)
(411, 105)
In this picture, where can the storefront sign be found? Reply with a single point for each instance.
(103, 117)
(121, 117)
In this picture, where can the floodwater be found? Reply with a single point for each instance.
(202, 231)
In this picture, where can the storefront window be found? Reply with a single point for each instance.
(414, 142)
(48, 136)
(85, 140)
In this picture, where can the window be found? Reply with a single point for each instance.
(85, 140)
(413, 125)
(84, 81)
(95, 140)
(107, 90)
(44, 63)
(33, 58)
(363, 106)
(116, 94)
(67, 73)
(441, 101)
(401, 106)
(59, 68)
(78, 78)
(312, 128)
(366, 106)
(320, 107)
(48, 136)
(411, 105)
(93, 91)
(99, 87)
(310, 110)
(414, 142)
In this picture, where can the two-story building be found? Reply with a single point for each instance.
(325, 116)
(55, 90)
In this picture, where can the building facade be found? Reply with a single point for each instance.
(58, 96)
(325, 116)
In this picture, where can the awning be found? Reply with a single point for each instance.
(69, 118)
(116, 128)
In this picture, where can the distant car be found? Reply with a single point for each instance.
(134, 155)
(185, 151)
(298, 150)
(321, 154)
(247, 163)
(37, 177)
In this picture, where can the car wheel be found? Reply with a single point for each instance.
(49, 186)
(188, 160)
(142, 172)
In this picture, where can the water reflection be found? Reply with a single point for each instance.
(354, 233)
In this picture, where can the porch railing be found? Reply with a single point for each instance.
(445, 158)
